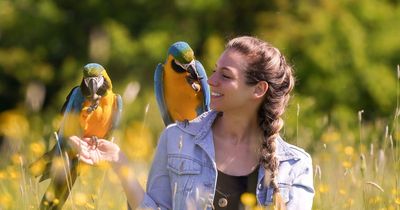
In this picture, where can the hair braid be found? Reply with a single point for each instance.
(266, 63)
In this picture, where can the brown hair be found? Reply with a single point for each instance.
(266, 63)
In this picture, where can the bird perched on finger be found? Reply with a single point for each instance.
(180, 85)
(91, 110)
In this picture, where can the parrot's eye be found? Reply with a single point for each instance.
(186, 66)
(97, 80)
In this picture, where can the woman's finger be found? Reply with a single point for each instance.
(84, 153)
(77, 143)
(86, 160)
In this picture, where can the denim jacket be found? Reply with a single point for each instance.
(184, 172)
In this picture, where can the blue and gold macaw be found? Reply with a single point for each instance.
(91, 110)
(181, 85)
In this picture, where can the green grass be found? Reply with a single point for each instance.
(354, 168)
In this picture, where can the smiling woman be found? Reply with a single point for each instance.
(228, 79)
(233, 150)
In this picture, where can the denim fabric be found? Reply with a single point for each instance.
(184, 173)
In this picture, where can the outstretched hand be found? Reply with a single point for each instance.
(92, 152)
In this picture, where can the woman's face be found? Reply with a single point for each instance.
(227, 83)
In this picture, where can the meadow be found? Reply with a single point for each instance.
(355, 167)
(345, 110)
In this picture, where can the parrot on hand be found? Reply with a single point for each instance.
(91, 110)
(180, 85)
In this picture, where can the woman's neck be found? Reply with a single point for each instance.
(236, 141)
(237, 128)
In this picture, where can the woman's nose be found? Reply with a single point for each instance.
(211, 80)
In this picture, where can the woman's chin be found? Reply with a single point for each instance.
(215, 108)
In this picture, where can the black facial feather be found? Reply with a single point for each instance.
(177, 68)
(101, 91)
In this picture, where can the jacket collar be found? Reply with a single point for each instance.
(283, 151)
(201, 125)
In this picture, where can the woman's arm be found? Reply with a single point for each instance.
(133, 190)
(159, 193)
(302, 190)
(110, 152)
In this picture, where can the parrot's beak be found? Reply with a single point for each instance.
(191, 68)
(93, 84)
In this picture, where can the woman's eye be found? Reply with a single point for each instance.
(226, 76)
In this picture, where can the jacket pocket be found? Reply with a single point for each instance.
(182, 170)
(183, 165)
(284, 190)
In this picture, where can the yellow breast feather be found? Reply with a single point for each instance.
(180, 98)
(98, 122)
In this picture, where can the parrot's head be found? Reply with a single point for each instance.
(95, 82)
(183, 57)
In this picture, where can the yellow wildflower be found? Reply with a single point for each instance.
(397, 200)
(56, 201)
(57, 167)
(89, 206)
(346, 164)
(330, 136)
(3, 175)
(394, 191)
(248, 199)
(37, 148)
(13, 124)
(258, 208)
(348, 150)
(138, 145)
(5, 201)
(16, 159)
(323, 188)
(37, 168)
(80, 199)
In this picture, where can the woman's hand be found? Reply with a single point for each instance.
(94, 152)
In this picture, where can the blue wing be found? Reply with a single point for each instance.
(159, 91)
(117, 113)
(72, 105)
(204, 87)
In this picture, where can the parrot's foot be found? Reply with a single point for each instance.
(196, 87)
(193, 83)
(94, 141)
(185, 122)
(93, 106)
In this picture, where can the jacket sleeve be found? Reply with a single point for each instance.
(302, 190)
(158, 191)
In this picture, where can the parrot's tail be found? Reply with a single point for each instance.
(41, 166)
(60, 187)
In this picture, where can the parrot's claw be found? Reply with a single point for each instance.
(93, 106)
(94, 141)
(193, 83)
(196, 87)
(185, 122)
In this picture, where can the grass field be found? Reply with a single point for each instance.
(354, 168)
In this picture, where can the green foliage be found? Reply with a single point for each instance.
(344, 54)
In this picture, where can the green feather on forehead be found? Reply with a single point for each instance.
(92, 70)
(182, 52)
(186, 56)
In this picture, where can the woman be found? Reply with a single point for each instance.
(234, 148)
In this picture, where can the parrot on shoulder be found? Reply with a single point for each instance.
(180, 85)
(91, 110)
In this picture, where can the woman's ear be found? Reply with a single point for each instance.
(260, 89)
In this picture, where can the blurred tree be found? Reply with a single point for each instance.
(344, 52)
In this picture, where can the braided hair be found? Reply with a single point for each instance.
(266, 63)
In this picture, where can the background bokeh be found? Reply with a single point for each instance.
(344, 111)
